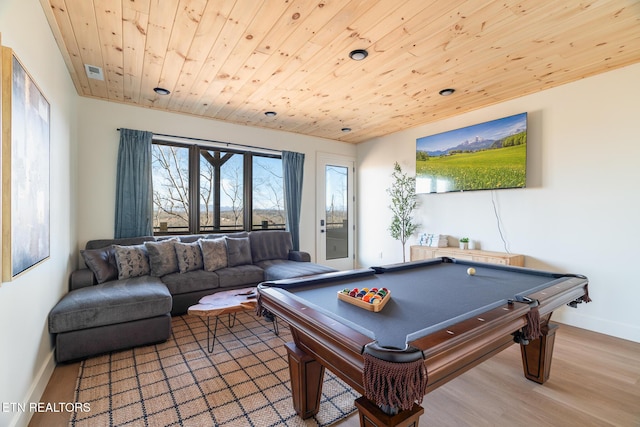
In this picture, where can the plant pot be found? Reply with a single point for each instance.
(463, 245)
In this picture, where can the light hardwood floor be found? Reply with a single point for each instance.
(595, 381)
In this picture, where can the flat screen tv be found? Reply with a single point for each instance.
(486, 156)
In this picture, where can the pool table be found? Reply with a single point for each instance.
(438, 322)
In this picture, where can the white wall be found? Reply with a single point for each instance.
(578, 214)
(25, 349)
(97, 129)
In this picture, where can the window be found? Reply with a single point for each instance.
(170, 169)
(198, 189)
(221, 191)
(267, 193)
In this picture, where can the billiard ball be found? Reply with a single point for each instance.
(471, 271)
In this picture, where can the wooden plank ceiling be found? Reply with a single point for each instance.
(233, 60)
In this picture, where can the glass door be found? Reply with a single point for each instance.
(335, 216)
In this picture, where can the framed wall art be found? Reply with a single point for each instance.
(25, 170)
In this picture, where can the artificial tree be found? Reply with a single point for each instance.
(403, 203)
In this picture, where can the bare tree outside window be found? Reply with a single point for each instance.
(268, 193)
(207, 194)
(231, 185)
(221, 190)
(221, 179)
(170, 165)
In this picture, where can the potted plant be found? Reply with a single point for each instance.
(403, 202)
(464, 242)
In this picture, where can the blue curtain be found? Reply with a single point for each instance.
(134, 203)
(293, 171)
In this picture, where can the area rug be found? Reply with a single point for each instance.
(244, 382)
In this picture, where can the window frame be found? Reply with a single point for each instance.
(194, 157)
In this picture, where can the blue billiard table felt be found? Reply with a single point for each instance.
(422, 301)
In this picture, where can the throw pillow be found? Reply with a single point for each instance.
(214, 253)
(238, 251)
(102, 262)
(189, 256)
(132, 261)
(162, 257)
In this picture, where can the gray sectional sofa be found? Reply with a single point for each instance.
(126, 295)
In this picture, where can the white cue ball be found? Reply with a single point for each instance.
(471, 271)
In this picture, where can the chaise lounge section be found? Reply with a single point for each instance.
(131, 287)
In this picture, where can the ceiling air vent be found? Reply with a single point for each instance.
(94, 72)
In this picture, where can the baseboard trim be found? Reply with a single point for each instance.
(36, 390)
(574, 317)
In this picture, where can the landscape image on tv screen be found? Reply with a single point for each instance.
(486, 156)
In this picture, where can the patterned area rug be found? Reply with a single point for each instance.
(244, 382)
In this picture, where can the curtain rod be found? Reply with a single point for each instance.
(216, 142)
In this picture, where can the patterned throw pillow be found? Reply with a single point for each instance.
(102, 262)
(132, 261)
(189, 256)
(162, 257)
(238, 251)
(214, 253)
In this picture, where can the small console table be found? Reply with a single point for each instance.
(427, 252)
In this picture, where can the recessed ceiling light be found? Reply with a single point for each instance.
(270, 113)
(358, 54)
(346, 129)
(446, 92)
(161, 91)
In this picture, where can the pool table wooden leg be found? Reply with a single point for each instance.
(536, 356)
(372, 416)
(307, 375)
